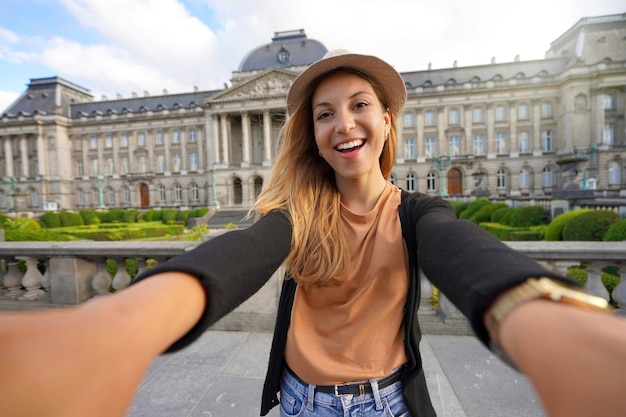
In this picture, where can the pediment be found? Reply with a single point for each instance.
(271, 83)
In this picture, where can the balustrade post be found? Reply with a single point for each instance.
(70, 279)
(31, 280)
(619, 292)
(13, 281)
(594, 283)
(121, 279)
(102, 280)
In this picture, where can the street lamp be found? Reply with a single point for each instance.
(100, 181)
(441, 163)
(11, 185)
(214, 203)
(589, 153)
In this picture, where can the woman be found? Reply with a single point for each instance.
(346, 337)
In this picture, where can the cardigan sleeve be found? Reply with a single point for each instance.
(467, 264)
(231, 267)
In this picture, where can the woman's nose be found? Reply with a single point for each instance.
(344, 122)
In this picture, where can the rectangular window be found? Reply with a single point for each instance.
(409, 120)
(80, 170)
(454, 143)
(141, 139)
(607, 102)
(548, 179)
(478, 115)
(108, 141)
(162, 193)
(409, 148)
(500, 143)
(500, 113)
(124, 140)
(453, 117)
(94, 167)
(143, 164)
(430, 150)
(94, 142)
(608, 136)
(111, 196)
(193, 161)
(546, 140)
(524, 142)
(126, 192)
(431, 182)
(175, 137)
(522, 112)
(110, 169)
(176, 162)
(161, 163)
(479, 145)
(159, 138)
(192, 135)
(429, 118)
(125, 166)
(79, 144)
(546, 110)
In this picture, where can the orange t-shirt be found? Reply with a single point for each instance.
(354, 331)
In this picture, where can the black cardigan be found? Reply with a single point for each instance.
(467, 264)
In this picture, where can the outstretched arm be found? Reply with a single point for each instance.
(89, 360)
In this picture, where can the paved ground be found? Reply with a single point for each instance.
(221, 375)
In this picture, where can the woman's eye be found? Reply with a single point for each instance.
(360, 105)
(323, 115)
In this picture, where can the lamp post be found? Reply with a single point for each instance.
(100, 181)
(214, 201)
(589, 153)
(11, 185)
(441, 163)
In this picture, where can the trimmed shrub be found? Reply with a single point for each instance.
(474, 206)
(169, 216)
(158, 216)
(3, 218)
(71, 219)
(27, 224)
(459, 207)
(89, 216)
(41, 235)
(149, 215)
(616, 233)
(130, 216)
(497, 215)
(103, 216)
(51, 220)
(528, 216)
(115, 215)
(506, 219)
(500, 231)
(526, 235)
(554, 231)
(182, 216)
(590, 226)
(485, 212)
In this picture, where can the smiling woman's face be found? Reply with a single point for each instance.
(350, 126)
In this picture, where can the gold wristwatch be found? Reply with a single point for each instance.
(537, 288)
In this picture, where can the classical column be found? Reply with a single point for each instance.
(490, 142)
(245, 131)
(8, 157)
(468, 142)
(536, 123)
(442, 146)
(420, 150)
(42, 159)
(225, 148)
(24, 156)
(513, 145)
(267, 138)
(215, 128)
(200, 143)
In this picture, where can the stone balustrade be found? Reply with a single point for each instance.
(55, 274)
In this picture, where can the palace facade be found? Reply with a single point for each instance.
(521, 129)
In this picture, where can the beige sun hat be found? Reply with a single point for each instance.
(389, 79)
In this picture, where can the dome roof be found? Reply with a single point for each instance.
(288, 49)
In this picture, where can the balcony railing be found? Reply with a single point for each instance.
(36, 275)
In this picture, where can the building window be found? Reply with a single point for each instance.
(111, 196)
(522, 112)
(178, 192)
(479, 145)
(546, 110)
(161, 163)
(478, 115)
(162, 194)
(124, 140)
(159, 138)
(94, 142)
(430, 150)
(429, 118)
(81, 197)
(548, 177)
(126, 193)
(409, 120)
(192, 135)
(608, 136)
(143, 164)
(409, 148)
(500, 113)
(193, 161)
(524, 142)
(431, 182)
(453, 117)
(95, 169)
(108, 141)
(500, 143)
(125, 166)
(195, 193)
(615, 176)
(110, 168)
(546, 141)
(502, 178)
(524, 178)
(176, 162)
(34, 200)
(410, 182)
(454, 143)
(607, 102)
(141, 139)
(176, 136)
(79, 144)
(80, 169)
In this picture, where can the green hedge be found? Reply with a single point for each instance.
(484, 213)
(459, 207)
(498, 215)
(474, 206)
(590, 226)
(528, 216)
(500, 231)
(616, 233)
(89, 216)
(51, 220)
(526, 235)
(554, 231)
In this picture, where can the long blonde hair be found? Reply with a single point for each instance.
(303, 184)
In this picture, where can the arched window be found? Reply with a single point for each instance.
(178, 192)
(195, 193)
(548, 177)
(162, 193)
(410, 182)
(502, 178)
(615, 176)
(525, 178)
(431, 182)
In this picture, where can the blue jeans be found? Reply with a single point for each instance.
(301, 400)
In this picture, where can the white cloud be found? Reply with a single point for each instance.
(6, 99)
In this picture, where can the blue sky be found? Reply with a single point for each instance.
(122, 46)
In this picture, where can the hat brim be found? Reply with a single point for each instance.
(391, 82)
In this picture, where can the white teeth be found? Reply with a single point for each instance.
(350, 145)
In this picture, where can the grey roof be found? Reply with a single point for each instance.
(141, 104)
(481, 73)
(288, 49)
(51, 95)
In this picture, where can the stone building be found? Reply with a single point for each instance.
(508, 130)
